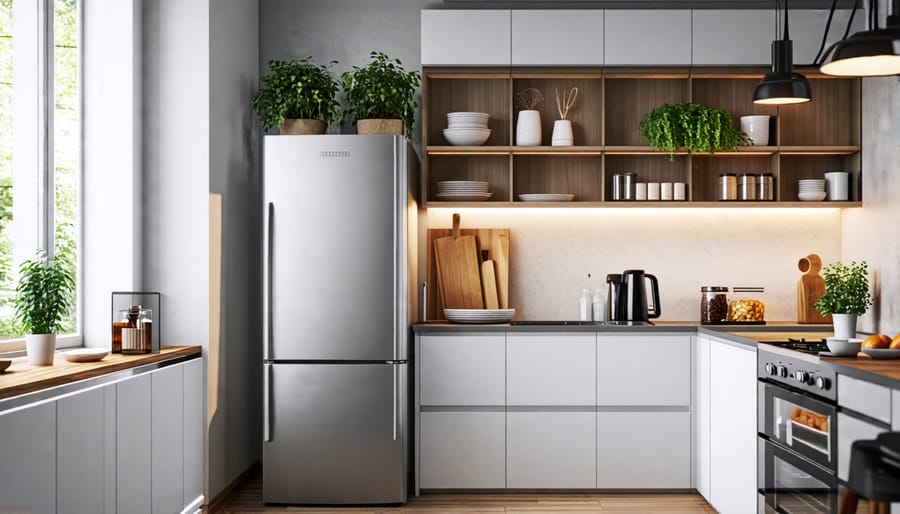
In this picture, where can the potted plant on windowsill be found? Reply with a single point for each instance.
(43, 298)
(700, 129)
(380, 96)
(846, 296)
(298, 96)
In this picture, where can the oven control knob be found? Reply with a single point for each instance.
(783, 371)
(771, 369)
(823, 383)
(801, 376)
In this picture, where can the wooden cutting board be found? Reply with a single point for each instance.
(458, 270)
(809, 288)
(490, 239)
(489, 285)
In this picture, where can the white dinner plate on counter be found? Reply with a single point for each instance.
(85, 354)
(882, 353)
(479, 315)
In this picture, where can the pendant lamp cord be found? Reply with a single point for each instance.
(827, 29)
(787, 35)
(819, 57)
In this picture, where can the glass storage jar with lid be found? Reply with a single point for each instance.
(747, 305)
(713, 304)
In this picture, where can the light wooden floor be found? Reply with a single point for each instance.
(248, 498)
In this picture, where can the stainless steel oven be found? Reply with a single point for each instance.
(797, 427)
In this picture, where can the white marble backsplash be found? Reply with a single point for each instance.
(554, 250)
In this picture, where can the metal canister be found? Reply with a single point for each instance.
(727, 186)
(618, 179)
(747, 186)
(623, 186)
(765, 187)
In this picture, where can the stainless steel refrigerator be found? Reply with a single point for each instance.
(339, 273)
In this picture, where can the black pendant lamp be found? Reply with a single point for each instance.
(870, 53)
(782, 86)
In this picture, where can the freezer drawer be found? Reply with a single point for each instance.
(335, 433)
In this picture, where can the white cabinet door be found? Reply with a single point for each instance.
(193, 431)
(81, 439)
(732, 37)
(551, 369)
(462, 450)
(167, 440)
(462, 370)
(647, 37)
(807, 27)
(561, 37)
(551, 450)
(644, 450)
(465, 37)
(733, 438)
(851, 429)
(864, 397)
(133, 422)
(28, 463)
(643, 370)
(701, 417)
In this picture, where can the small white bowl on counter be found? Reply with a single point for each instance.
(841, 347)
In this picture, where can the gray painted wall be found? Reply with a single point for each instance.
(235, 433)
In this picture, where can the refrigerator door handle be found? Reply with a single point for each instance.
(394, 395)
(267, 403)
(267, 281)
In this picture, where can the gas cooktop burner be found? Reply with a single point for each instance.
(811, 346)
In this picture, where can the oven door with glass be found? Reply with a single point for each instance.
(800, 423)
(791, 484)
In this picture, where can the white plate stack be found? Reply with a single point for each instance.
(463, 190)
(479, 315)
(811, 190)
(467, 128)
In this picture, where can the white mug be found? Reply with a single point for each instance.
(652, 190)
(757, 127)
(678, 191)
(640, 191)
(665, 191)
(837, 185)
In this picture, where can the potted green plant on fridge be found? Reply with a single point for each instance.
(846, 296)
(43, 299)
(297, 96)
(695, 127)
(381, 96)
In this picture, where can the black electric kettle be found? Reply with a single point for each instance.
(628, 296)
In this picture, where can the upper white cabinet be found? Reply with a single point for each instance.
(462, 370)
(571, 37)
(807, 27)
(466, 37)
(642, 370)
(647, 37)
(550, 369)
(732, 37)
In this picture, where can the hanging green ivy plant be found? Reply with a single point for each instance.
(700, 129)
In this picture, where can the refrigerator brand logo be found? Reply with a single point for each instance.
(335, 153)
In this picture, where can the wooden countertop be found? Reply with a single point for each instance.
(885, 367)
(20, 378)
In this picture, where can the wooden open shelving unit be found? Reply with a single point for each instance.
(807, 139)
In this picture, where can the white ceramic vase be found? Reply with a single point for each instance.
(528, 128)
(844, 325)
(40, 349)
(562, 133)
(757, 128)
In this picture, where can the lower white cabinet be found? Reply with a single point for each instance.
(851, 428)
(550, 450)
(732, 432)
(643, 370)
(167, 439)
(644, 450)
(28, 463)
(82, 436)
(462, 450)
(133, 468)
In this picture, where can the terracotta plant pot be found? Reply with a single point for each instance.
(40, 349)
(302, 127)
(379, 126)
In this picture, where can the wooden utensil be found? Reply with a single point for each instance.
(489, 285)
(810, 287)
(459, 280)
(501, 256)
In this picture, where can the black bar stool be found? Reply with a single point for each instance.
(874, 474)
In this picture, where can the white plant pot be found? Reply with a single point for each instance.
(844, 325)
(528, 128)
(562, 133)
(40, 349)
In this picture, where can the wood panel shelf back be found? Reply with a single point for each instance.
(805, 140)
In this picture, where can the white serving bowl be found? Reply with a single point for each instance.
(811, 196)
(466, 136)
(843, 347)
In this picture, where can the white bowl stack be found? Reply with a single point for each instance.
(811, 190)
(467, 128)
(463, 190)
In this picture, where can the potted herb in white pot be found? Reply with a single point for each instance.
(381, 96)
(846, 296)
(43, 299)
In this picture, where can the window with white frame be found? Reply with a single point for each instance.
(40, 143)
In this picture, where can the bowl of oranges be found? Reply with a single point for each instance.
(880, 346)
